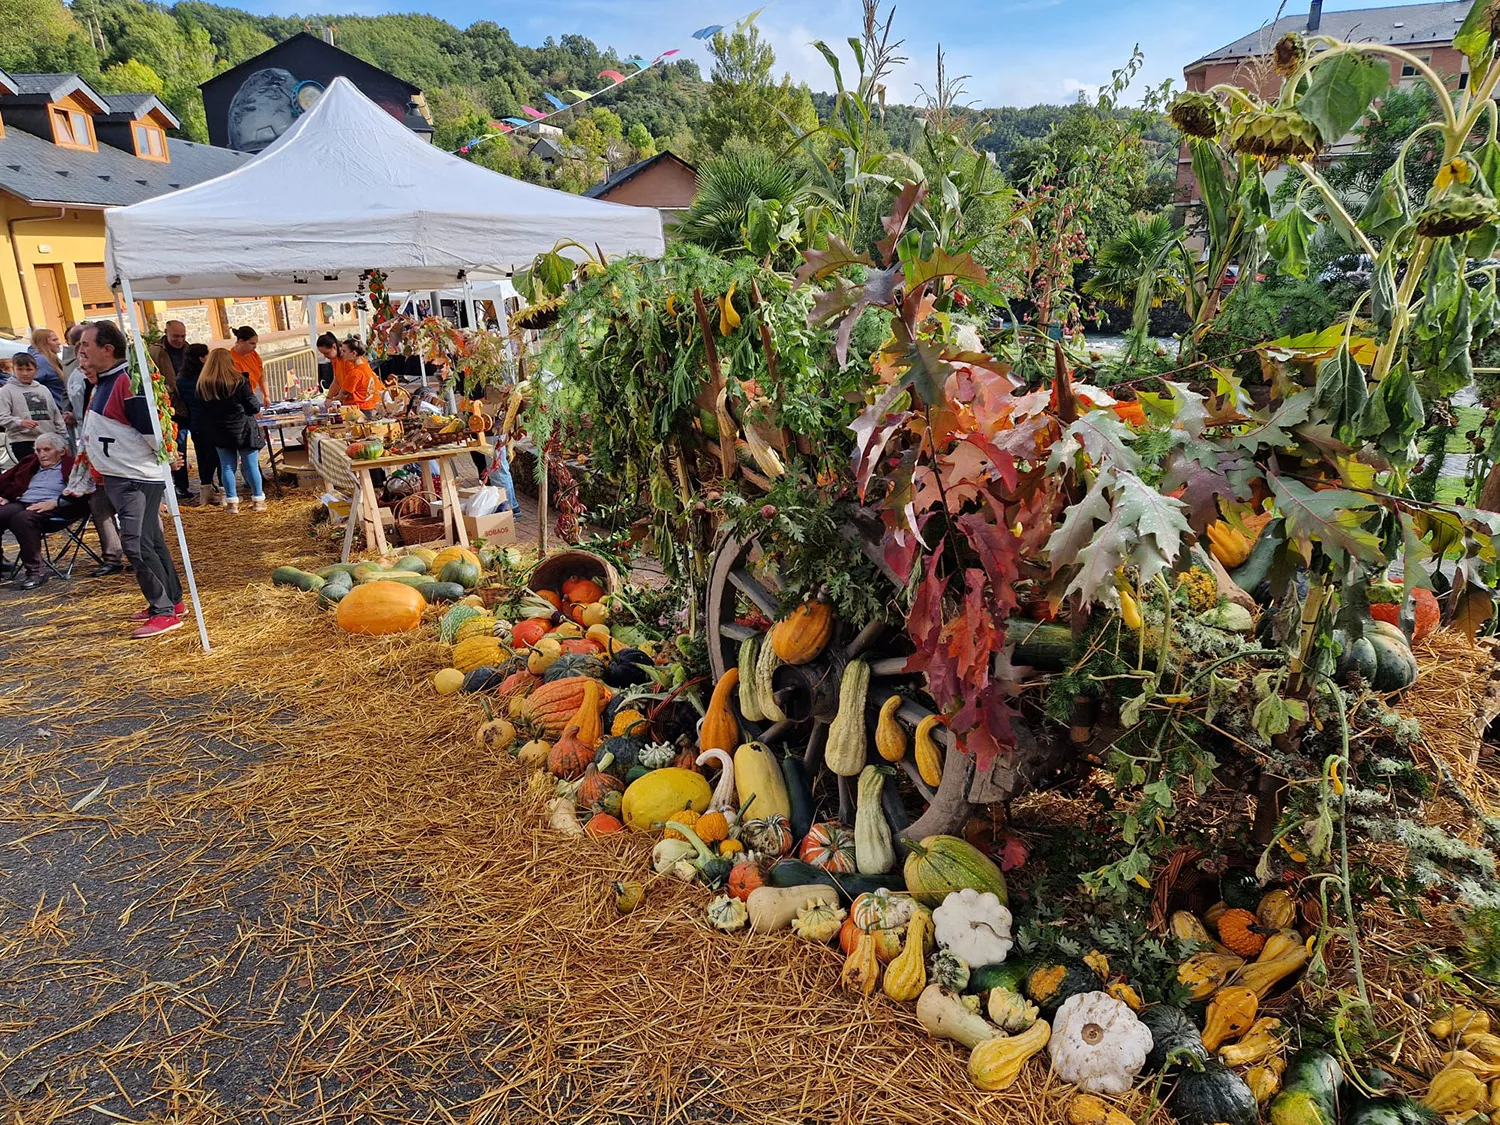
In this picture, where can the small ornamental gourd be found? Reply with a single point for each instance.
(949, 970)
(1010, 1011)
(1098, 1043)
(1203, 974)
(603, 824)
(719, 729)
(657, 755)
(873, 851)
(1208, 1093)
(995, 1064)
(861, 971)
(929, 754)
(844, 752)
(1454, 1092)
(586, 718)
(1459, 1022)
(881, 909)
(775, 908)
(802, 635)
(818, 921)
(724, 799)
(890, 736)
(765, 695)
(1239, 930)
(713, 827)
(727, 913)
(687, 818)
(745, 877)
(1230, 1014)
(906, 975)
(1261, 1043)
(448, 681)
(1277, 910)
(495, 736)
(769, 835)
(1282, 956)
(974, 925)
(597, 783)
(830, 846)
(1085, 1109)
(570, 758)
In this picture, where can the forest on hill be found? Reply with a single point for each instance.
(470, 76)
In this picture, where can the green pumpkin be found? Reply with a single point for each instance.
(1051, 982)
(626, 749)
(460, 571)
(1309, 1090)
(1174, 1038)
(1006, 974)
(1207, 1092)
(571, 664)
(441, 591)
(1395, 666)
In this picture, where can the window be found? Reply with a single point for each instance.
(93, 289)
(71, 127)
(150, 141)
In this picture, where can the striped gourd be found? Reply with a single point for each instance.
(550, 707)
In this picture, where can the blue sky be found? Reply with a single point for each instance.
(1017, 52)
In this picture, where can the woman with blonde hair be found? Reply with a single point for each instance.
(49, 364)
(228, 407)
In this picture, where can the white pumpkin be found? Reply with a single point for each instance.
(1098, 1044)
(974, 925)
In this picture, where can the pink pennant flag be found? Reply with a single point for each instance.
(612, 75)
(532, 113)
(669, 54)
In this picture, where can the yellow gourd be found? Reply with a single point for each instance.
(1262, 1042)
(587, 717)
(1203, 974)
(906, 976)
(1185, 925)
(1086, 1109)
(480, 626)
(1214, 913)
(473, 652)
(543, 655)
(1126, 995)
(1229, 546)
(720, 729)
(1456, 1092)
(495, 736)
(861, 971)
(758, 774)
(1230, 1013)
(1264, 1082)
(1262, 976)
(996, 1063)
(1277, 910)
(802, 635)
(890, 736)
(447, 681)
(1459, 1022)
(929, 754)
(535, 754)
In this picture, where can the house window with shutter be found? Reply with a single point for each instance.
(93, 289)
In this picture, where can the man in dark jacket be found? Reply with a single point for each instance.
(121, 445)
(31, 493)
(170, 355)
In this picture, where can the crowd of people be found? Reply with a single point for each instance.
(83, 444)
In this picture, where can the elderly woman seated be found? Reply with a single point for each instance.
(31, 493)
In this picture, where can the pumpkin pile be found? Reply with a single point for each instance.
(437, 576)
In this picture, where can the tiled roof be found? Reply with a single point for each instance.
(41, 172)
(132, 107)
(635, 169)
(1404, 25)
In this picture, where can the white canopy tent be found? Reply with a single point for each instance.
(347, 189)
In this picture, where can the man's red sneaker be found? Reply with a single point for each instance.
(145, 614)
(157, 625)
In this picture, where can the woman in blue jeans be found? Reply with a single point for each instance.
(228, 407)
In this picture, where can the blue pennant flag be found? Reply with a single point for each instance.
(518, 122)
(635, 62)
(557, 103)
(708, 32)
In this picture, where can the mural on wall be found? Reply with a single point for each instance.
(265, 105)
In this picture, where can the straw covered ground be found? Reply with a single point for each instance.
(280, 883)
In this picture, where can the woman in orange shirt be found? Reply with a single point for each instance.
(355, 383)
(247, 360)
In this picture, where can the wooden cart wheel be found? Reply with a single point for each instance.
(743, 575)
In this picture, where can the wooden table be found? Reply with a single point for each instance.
(276, 425)
(366, 505)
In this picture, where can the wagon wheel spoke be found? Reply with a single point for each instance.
(747, 584)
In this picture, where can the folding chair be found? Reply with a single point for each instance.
(60, 558)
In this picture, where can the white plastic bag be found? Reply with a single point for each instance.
(485, 502)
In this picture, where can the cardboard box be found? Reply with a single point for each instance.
(497, 530)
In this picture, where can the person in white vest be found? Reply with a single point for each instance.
(121, 447)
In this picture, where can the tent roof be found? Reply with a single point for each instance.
(349, 188)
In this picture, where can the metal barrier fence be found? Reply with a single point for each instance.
(279, 370)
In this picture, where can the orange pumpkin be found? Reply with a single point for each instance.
(712, 827)
(1425, 606)
(570, 756)
(550, 597)
(582, 591)
(802, 635)
(887, 942)
(595, 786)
(528, 632)
(377, 608)
(602, 824)
(582, 646)
(744, 878)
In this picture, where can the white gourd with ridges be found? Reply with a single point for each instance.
(723, 799)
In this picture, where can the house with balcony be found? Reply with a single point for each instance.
(1423, 30)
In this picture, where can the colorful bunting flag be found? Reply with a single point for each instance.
(708, 32)
(634, 61)
(518, 122)
(557, 102)
(668, 54)
(613, 75)
(578, 95)
(531, 111)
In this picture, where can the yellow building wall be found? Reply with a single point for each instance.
(33, 236)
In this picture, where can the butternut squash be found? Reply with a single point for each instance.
(774, 908)
(845, 752)
(720, 730)
(757, 774)
(890, 736)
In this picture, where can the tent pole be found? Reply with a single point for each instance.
(156, 425)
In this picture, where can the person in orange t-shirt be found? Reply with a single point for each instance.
(354, 383)
(247, 360)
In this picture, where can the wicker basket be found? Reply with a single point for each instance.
(560, 565)
(418, 519)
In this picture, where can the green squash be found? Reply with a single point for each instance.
(1209, 1093)
(441, 591)
(291, 576)
(625, 750)
(571, 664)
(331, 594)
(1049, 983)
(1392, 1110)
(1004, 974)
(410, 563)
(460, 571)
(635, 773)
(1240, 889)
(1174, 1038)
(1395, 666)
(939, 865)
(1309, 1090)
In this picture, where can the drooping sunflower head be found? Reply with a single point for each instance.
(1197, 114)
(1454, 215)
(1274, 135)
(1288, 54)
